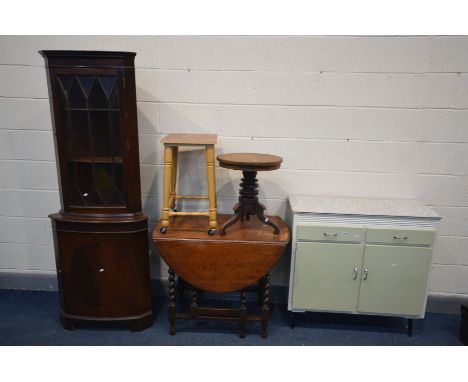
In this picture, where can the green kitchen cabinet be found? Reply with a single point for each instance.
(360, 256)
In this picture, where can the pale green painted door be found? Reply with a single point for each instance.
(396, 280)
(327, 276)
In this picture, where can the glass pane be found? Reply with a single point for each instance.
(86, 83)
(79, 144)
(91, 127)
(109, 183)
(101, 135)
(97, 98)
(84, 182)
(77, 99)
(75, 196)
(117, 192)
(115, 134)
(114, 98)
(65, 83)
(108, 84)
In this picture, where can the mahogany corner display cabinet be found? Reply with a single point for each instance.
(100, 234)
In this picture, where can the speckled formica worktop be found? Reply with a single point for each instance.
(361, 206)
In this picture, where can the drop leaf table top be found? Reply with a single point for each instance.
(221, 263)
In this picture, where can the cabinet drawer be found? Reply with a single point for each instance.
(398, 235)
(335, 233)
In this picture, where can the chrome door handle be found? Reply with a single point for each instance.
(400, 238)
(366, 271)
(329, 234)
(355, 273)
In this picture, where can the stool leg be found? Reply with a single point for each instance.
(210, 172)
(175, 155)
(168, 150)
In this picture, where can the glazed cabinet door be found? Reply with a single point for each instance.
(394, 280)
(88, 128)
(327, 276)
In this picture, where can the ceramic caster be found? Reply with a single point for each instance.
(211, 232)
(163, 229)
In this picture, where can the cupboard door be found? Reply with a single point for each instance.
(103, 275)
(327, 276)
(394, 280)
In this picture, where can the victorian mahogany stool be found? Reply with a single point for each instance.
(249, 164)
(172, 142)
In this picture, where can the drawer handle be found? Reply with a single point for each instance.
(330, 234)
(400, 238)
(355, 273)
(366, 271)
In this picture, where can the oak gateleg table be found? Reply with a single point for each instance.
(228, 263)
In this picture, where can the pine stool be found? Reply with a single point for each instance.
(171, 149)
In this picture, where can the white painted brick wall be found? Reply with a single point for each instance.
(355, 116)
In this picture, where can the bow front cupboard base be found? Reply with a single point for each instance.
(360, 256)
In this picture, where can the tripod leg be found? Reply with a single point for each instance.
(229, 223)
(261, 215)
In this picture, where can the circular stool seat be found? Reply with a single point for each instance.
(250, 161)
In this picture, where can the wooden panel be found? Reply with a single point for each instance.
(398, 235)
(330, 232)
(327, 276)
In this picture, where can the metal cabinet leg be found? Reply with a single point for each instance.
(410, 327)
(292, 319)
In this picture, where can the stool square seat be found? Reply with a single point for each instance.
(190, 139)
